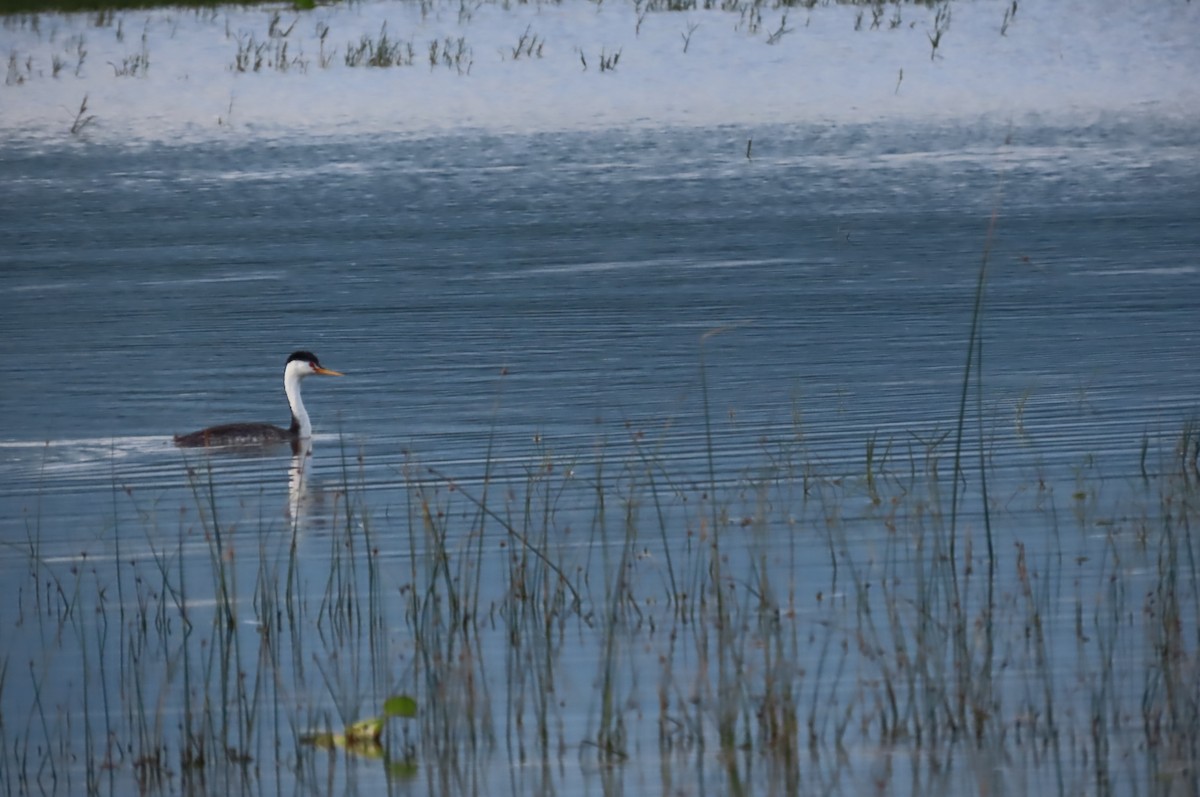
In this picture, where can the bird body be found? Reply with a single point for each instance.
(300, 364)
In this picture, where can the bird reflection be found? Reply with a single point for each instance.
(299, 499)
(311, 503)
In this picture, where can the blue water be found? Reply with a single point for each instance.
(494, 300)
(589, 266)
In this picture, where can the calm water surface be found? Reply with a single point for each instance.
(500, 301)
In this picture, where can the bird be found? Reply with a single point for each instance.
(300, 364)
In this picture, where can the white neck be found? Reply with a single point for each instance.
(291, 386)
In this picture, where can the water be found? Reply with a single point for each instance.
(150, 292)
(498, 301)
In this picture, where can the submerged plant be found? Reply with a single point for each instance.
(941, 24)
(18, 71)
(608, 61)
(1010, 16)
(382, 51)
(687, 37)
(451, 53)
(774, 38)
(324, 57)
(82, 118)
(364, 736)
(529, 45)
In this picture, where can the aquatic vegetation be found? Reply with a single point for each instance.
(608, 61)
(135, 64)
(529, 45)
(609, 607)
(1010, 16)
(20, 70)
(272, 52)
(452, 53)
(82, 117)
(774, 38)
(687, 37)
(275, 49)
(380, 51)
(364, 736)
(941, 24)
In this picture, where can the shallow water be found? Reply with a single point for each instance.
(499, 302)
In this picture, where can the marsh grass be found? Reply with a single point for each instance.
(274, 55)
(275, 51)
(585, 605)
(20, 70)
(104, 9)
(380, 51)
(608, 61)
(452, 53)
(278, 48)
(82, 118)
(941, 24)
(135, 64)
(529, 45)
(778, 34)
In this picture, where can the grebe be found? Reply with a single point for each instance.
(299, 365)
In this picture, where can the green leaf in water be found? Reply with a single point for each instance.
(400, 706)
(362, 737)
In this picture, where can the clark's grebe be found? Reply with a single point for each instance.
(299, 365)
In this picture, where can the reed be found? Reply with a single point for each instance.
(761, 622)
(529, 45)
(381, 51)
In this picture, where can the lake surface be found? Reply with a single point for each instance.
(539, 317)
(156, 290)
